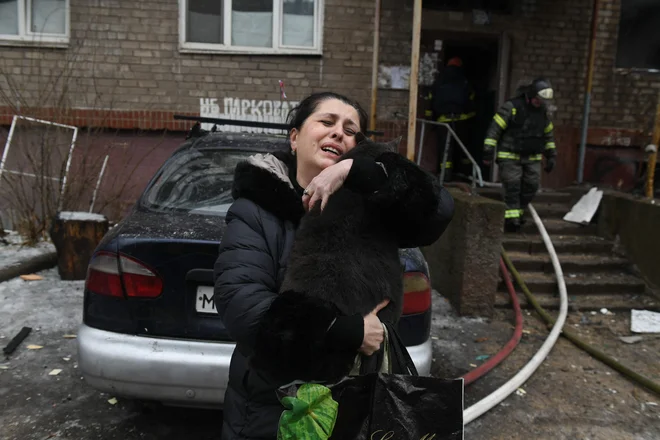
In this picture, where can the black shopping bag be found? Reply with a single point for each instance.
(375, 406)
(398, 407)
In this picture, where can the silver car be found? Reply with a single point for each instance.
(150, 329)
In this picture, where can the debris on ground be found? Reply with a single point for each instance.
(15, 342)
(32, 277)
(34, 347)
(584, 210)
(520, 392)
(644, 321)
(69, 336)
(631, 339)
(112, 401)
(55, 372)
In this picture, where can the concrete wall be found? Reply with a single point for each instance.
(636, 225)
(464, 261)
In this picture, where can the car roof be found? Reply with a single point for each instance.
(257, 142)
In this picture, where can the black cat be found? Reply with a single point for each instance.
(345, 255)
(345, 258)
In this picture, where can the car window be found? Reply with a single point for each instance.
(195, 181)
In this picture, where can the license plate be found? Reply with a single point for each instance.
(205, 303)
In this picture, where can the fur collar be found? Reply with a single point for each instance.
(269, 181)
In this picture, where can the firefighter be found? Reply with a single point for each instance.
(522, 133)
(452, 101)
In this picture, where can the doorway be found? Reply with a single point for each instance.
(485, 61)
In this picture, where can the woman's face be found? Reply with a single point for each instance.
(325, 135)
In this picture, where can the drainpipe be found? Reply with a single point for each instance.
(653, 156)
(587, 92)
(414, 77)
(374, 68)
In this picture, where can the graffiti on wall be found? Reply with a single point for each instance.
(245, 110)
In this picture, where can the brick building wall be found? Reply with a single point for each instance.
(551, 39)
(123, 67)
(548, 39)
(125, 56)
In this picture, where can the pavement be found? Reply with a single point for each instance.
(571, 396)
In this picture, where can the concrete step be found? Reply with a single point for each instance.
(556, 226)
(549, 211)
(565, 244)
(614, 302)
(541, 197)
(592, 283)
(570, 263)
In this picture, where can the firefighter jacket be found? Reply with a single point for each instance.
(520, 131)
(451, 97)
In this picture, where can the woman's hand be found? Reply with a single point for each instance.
(325, 184)
(374, 332)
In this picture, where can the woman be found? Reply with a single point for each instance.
(271, 195)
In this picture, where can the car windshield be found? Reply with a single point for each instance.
(195, 181)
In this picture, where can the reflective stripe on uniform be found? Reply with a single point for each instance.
(490, 141)
(501, 122)
(461, 117)
(536, 157)
(512, 213)
(428, 113)
(507, 155)
(549, 128)
(448, 165)
(514, 111)
(550, 145)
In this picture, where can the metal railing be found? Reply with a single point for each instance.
(476, 170)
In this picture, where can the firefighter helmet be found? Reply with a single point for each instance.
(455, 61)
(541, 87)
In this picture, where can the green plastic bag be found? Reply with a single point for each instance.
(310, 414)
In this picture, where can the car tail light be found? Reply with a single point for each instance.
(139, 280)
(416, 293)
(111, 274)
(103, 275)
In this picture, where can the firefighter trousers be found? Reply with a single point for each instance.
(456, 159)
(520, 182)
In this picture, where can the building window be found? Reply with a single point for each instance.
(251, 26)
(34, 21)
(638, 45)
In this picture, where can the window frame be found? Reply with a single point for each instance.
(26, 37)
(278, 18)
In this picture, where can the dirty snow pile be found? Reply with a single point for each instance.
(16, 253)
(48, 305)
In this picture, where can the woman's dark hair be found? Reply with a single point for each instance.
(299, 114)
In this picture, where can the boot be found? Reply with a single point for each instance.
(512, 225)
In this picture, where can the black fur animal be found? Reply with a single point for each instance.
(344, 257)
(345, 254)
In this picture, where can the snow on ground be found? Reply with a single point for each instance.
(50, 306)
(16, 253)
